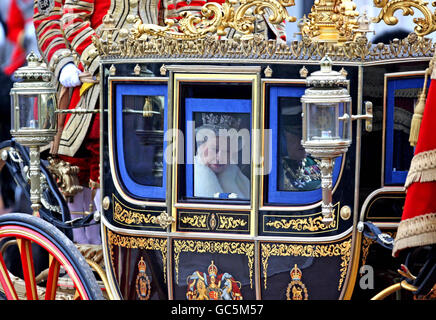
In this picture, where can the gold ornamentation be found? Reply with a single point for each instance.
(128, 216)
(130, 242)
(213, 221)
(165, 220)
(259, 49)
(296, 287)
(66, 177)
(345, 212)
(137, 70)
(163, 70)
(198, 221)
(268, 72)
(304, 72)
(424, 26)
(220, 247)
(311, 223)
(112, 70)
(106, 203)
(227, 222)
(331, 21)
(216, 18)
(342, 249)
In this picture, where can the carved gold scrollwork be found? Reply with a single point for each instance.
(216, 18)
(66, 176)
(424, 25)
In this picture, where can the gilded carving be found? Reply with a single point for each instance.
(342, 249)
(219, 247)
(424, 25)
(66, 176)
(359, 50)
(216, 18)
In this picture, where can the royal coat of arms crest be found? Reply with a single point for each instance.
(296, 289)
(212, 286)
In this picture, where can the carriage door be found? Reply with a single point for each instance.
(135, 219)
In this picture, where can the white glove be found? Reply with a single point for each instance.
(69, 76)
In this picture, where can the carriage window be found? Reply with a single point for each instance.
(294, 177)
(218, 149)
(405, 100)
(297, 171)
(402, 94)
(140, 121)
(143, 120)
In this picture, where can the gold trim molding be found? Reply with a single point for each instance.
(257, 48)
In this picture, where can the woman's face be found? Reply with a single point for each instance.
(295, 149)
(214, 155)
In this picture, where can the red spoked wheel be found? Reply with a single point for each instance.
(29, 231)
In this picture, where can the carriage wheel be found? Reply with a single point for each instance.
(63, 254)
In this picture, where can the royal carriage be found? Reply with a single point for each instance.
(282, 219)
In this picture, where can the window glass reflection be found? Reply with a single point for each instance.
(297, 171)
(143, 131)
(404, 102)
(222, 155)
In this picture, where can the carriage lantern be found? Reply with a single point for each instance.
(33, 122)
(326, 107)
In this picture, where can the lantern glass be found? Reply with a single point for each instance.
(345, 123)
(28, 111)
(47, 106)
(34, 114)
(322, 121)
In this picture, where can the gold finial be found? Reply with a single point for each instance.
(343, 72)
(137, 70)
(163, 70)
(112, 70)
(304, 72)
(268, 72)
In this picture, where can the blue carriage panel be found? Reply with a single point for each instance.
(285, 122)
(401, 95)
(141, 121)
(212, 114)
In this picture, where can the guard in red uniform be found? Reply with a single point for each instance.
(64, 30)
